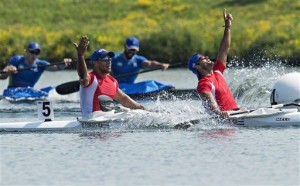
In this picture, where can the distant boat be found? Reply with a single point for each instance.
(26, 94)
(152, 89)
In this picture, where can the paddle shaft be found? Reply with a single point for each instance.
(148, 70)
(24, 68)
(73, 86)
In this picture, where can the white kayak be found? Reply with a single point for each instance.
(40, 126)
(262, 117)
(97, 120)
(267, 117)
(285, 109)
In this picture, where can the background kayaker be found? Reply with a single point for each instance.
(130, 62)
(99, 81)
(25, 70)
(212, 86)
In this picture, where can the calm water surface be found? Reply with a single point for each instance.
(146, 151)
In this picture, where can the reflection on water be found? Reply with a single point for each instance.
(100, 135)
(220, 133)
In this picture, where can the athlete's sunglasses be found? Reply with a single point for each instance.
(201, 58)
(106, 59)
(35, 52)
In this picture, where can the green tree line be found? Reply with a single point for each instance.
(169, 30)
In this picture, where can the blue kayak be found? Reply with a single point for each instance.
(144, 87)
(26, 94)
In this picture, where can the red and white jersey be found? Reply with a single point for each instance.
(98, 86)
(217, 85)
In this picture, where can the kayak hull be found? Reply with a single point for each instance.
(45, 126)
(111, 120)
(40, 126)
(268, 117)
(289, 119)
(97, 120)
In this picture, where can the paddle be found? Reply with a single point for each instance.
(73, 86)
(24, 68)
(149, 70)
(285, 105)
(68, 88)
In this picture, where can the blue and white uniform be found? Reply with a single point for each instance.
(120, 66)
(29, 75)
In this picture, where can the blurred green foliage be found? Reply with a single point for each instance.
(168, 30)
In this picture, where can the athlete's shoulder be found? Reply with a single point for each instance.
(16, 59)
(219, 66)
(91, 74)
(92, 77)
(140, 58)
(111, 77)
(117, 56)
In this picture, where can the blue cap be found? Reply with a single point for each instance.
(34, 46)
(132, 43)
(192, 63)
(100, 54)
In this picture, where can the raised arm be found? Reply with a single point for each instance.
(225, 43)
(81, 65)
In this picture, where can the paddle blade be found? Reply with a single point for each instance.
(68, 88)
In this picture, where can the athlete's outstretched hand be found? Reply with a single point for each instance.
(82, 46)
(227, 18)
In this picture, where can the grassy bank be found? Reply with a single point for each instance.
(169, 30)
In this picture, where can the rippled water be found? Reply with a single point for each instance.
(146, 150)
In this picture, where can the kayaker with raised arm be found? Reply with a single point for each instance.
(99, 81)
(212, 86)
(130, 62)
(25, 70)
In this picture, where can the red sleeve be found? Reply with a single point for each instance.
(219, 66)
(203, 86)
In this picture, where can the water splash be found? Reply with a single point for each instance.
(251, 85)
(54, 96)
(171, 114)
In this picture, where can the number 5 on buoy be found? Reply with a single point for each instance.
(45, 111)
